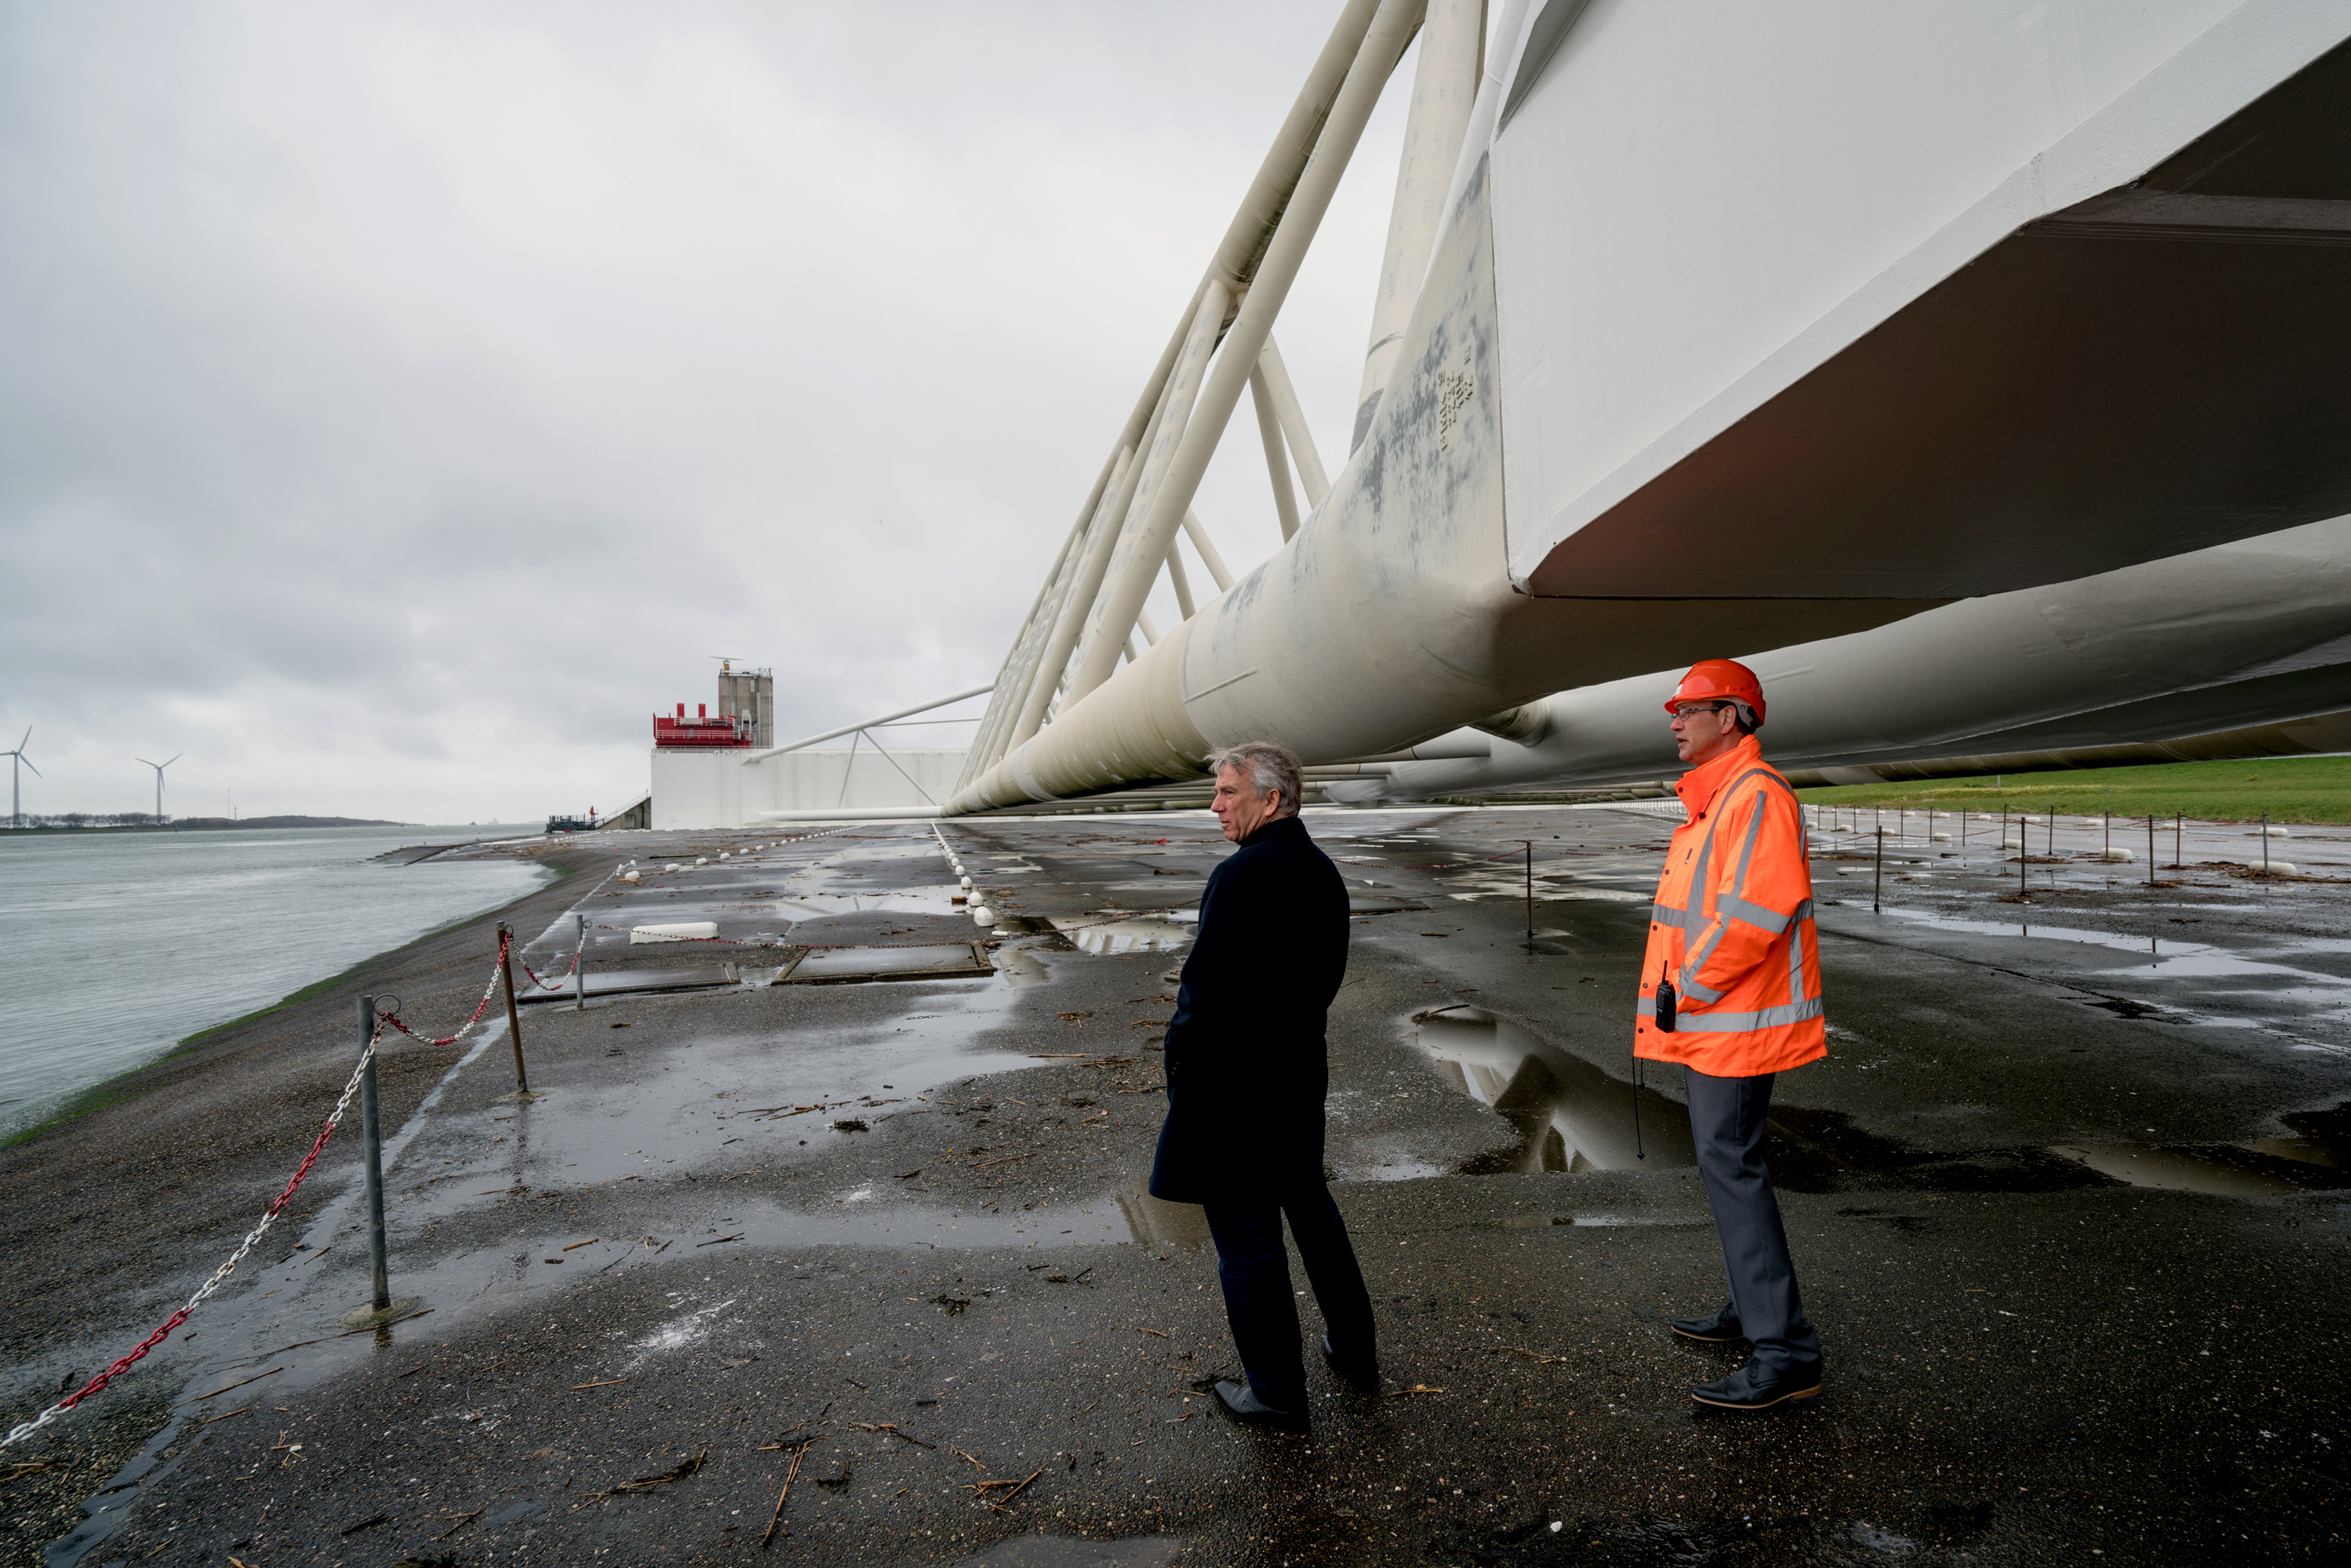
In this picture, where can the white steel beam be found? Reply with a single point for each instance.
(1054, 665)
(1177, 580)
(1276, 466)
(1208, 556)
(1132, 564)
(1018, 711)
(1172, 494)
(864, 723)
(1293, 426)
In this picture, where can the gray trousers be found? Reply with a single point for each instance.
(1726, 1124)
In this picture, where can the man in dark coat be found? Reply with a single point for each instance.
(1246, 1078)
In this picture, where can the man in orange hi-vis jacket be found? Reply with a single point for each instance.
(1730, 988)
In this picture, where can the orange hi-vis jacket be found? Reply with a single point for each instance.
(1733, 927)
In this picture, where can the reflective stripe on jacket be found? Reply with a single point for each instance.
(1733, 928)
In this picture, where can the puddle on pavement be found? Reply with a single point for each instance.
(825, 905)
(631, 982)
(2316, 1158)
(1102, 936)
(1022, 963)
(841, 965)
(1570, 1115)
(2320, 1138)
(2211, 1172)
(737, 1093)
(2314, 996)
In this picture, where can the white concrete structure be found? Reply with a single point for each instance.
(2257, 632)
(1747, 328)
(716, 788)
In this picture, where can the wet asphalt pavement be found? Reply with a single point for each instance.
(2066, 1199)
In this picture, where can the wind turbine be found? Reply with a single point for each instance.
(159, 767)
(16, 759)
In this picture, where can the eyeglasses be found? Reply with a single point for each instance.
(1686, 710)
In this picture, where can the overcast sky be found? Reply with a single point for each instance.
(402, 402)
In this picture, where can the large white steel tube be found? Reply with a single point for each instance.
(1443, 87)
(1133, 564)
(1276, 466)
(863, 724)
(1934, 308)
(1390, 618)
(1292, 415)
(1199, 534)
(1391, 30)
(2255, 631)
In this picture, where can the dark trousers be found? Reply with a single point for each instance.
(1726, 1124)
(1254, 1269)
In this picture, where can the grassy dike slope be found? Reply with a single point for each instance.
(2290, 789)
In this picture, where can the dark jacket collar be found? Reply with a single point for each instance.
(1270, 832)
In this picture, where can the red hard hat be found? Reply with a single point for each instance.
(1719, 680)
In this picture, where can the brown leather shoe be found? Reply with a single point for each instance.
(1755, 1386)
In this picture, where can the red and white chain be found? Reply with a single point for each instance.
(220, 1275)
(488, 992)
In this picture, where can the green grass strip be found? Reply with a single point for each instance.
(2313, 789)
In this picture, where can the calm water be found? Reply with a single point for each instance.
(118, 945)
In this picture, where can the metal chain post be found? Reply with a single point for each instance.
(371, 1136)
(514, 1019)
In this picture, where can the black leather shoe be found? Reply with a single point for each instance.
(1363, 1376)
(1755, 1386)
(1242, 1403)
(1722, 1328)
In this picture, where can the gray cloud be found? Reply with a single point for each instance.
(403, 399)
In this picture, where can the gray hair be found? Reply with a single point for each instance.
(1268, 768)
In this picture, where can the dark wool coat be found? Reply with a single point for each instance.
(1246, 1065)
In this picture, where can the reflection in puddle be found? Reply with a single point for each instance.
(2179, 1170)
(1154, 1222)
(2317, 1158)
(1020, 965)
(839, 965)
(1145, 933)
(2326, 997)
(1570, 1115)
